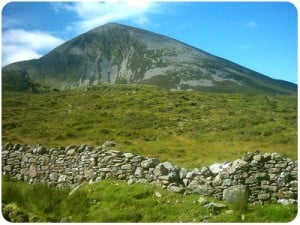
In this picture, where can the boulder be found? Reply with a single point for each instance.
(150, 163)
(32, 173)
(234, 193)
(182, 173)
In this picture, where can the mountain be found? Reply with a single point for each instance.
(116, 54)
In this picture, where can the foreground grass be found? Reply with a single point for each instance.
(191, 129)
(116, 201)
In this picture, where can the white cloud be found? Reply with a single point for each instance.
(19, 44)
(92, 14)
(251, 24)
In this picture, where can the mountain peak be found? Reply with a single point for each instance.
(116, 53)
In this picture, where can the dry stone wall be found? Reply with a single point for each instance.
(265, 178)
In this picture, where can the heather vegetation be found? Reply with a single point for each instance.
(191, 129)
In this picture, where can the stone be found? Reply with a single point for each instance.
(217, 181)
(251, 180)
(129, 155)
(149, 163)
(161, 170)
(62, 178)
(202, 200)
(131, 180)
(264, 196)
(287, 201)
(257, 157)
(41, 150)
(53, 176)
(158, 194)
(214, 207)
(272, 188)
(105, 170)
(32, 171)
(248, 156)
(126, 167)
(182, 173)
(109, 144)
(267, 156)
(7, 168)
(216, 168)
(234, 193)
(71, 152)
(190, 175)
(203, 189)
(239, 163)
(138, 171)
(185, 182)
(268, 177)
(274, 170)
(227, 182)
(205, 171)
(175, 188)
(276, 156)
(168, 165)
(285, 194)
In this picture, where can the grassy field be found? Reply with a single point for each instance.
(190, 129)
(116, 201)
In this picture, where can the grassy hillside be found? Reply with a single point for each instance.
(190, 129)
(116, 201)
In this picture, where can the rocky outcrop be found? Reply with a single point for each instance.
(263, 178)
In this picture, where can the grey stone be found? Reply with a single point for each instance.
(71, 152)
(217, 181)
(149, 163)
(109, 144)
(32, 171)
(126, 167)
(233, 193)
(53, 176)
(203, 189)
(239, 163)
(162, 169)
(287, 201)
(248, 156)
(7, 168)
(264, 196)
(214, 207)
(216, 168)
(286, 194)
(62, 178)
(138, 171)
(175, 188)
(190, 175)
(257, 157)
(202, 200)
(205, 171)
(158, 194)
(227, 182)
(182, 173)
(105, 170)
(251, 180)
(129, 155)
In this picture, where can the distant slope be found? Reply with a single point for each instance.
(190, 128)
(18, 82)
(116, 53)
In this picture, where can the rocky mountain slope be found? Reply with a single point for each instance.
(116, 53)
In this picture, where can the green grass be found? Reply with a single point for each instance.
(190, 129)
(116, 201)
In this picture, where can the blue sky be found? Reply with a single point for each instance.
(259, 35)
